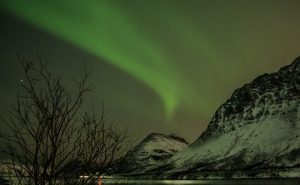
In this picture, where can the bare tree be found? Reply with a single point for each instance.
(49, 139)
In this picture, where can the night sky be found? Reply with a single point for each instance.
(159, 65)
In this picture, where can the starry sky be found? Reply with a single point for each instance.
(159, 65)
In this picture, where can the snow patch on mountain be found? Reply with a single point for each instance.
(258, 143)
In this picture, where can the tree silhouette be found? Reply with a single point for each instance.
(50, 140)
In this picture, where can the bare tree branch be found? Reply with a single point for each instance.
(48, 133)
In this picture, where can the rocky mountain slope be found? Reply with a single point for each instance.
(155, 149)
(257, 128)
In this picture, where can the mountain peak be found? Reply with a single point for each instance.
(256, 128)
(154, 150)
(264, 97)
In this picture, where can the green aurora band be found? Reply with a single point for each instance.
(106, 30)
(162, 65)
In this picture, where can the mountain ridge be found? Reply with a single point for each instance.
(263, 82)
(257, 127)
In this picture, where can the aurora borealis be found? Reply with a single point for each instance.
(169, 64)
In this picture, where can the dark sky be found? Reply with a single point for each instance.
(159, 66)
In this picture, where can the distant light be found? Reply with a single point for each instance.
(21, 80)
(84, 176)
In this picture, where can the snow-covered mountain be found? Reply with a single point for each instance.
(153, 150)
(258, 127)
